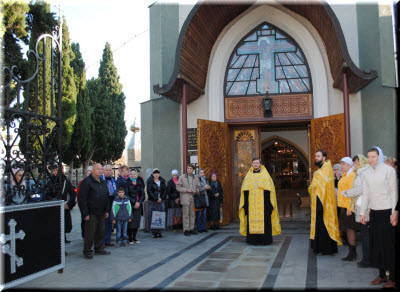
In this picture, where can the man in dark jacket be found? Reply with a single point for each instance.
(94, 206)
(57, 189)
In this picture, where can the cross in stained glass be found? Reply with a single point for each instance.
(266, 47)
(267, 58)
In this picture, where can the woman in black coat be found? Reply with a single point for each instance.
(68, 194)
(157, 194)
(173, 203)
(140, 179)
(215, 199)
(135, 192)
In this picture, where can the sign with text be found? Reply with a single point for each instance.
(192, 138)
(194, 159)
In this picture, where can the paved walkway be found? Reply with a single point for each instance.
(217, 259)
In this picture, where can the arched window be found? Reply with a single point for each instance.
(267, 59)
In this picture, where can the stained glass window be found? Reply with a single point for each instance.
(267, 58)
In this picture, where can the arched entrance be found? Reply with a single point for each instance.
(288, 166)
(286, 162)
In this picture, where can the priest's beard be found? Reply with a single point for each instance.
(319, 163)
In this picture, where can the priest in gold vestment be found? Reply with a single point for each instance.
(258, 211)
(324, 232)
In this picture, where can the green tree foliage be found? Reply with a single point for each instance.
(109, 111)
(13, 34)
(93, 89)
(96, 104)
(39, 20)
(81, 142)
(13, 30)
(69, 91)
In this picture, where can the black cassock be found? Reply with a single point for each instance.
(261, 239)
(322, 242)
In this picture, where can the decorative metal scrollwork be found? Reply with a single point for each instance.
(31, 123)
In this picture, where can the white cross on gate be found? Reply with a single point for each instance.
(6, 249)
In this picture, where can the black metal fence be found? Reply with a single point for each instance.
(31, 115)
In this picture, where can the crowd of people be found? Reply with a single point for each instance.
(359, 194)
(107, 203)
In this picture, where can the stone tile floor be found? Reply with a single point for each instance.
(214, 260)
(234, 265)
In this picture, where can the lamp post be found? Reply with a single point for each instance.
(267, 105)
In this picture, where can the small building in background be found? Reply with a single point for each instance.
(133, 149)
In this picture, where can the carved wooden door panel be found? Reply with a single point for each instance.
(245, 146)
(213, 147)
(328, 133)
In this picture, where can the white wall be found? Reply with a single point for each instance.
(184, 10)
(197, 109)
(299, 137)
(347, 16)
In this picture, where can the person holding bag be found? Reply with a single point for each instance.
(215, 197)
(174, 206)
(188, 185)
(157, 194)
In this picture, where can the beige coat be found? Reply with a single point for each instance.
(379, 187)
(187, 182)
(356, 192)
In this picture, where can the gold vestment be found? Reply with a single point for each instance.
(256, 183)
(323, 187)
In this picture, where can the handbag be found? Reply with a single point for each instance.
(199, 201)
(177, 218)
(157, 220)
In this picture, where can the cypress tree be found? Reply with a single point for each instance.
(81, 141)
(109, 111)
(69, 91)
(92, 90)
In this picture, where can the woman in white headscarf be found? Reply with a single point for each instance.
(174, 211)
(17, 187)
(347, 221)
(380, 195)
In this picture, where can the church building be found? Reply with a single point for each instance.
(270, 79)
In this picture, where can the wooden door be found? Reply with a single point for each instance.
(328, 133)
(213, 147)
(245, 146)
